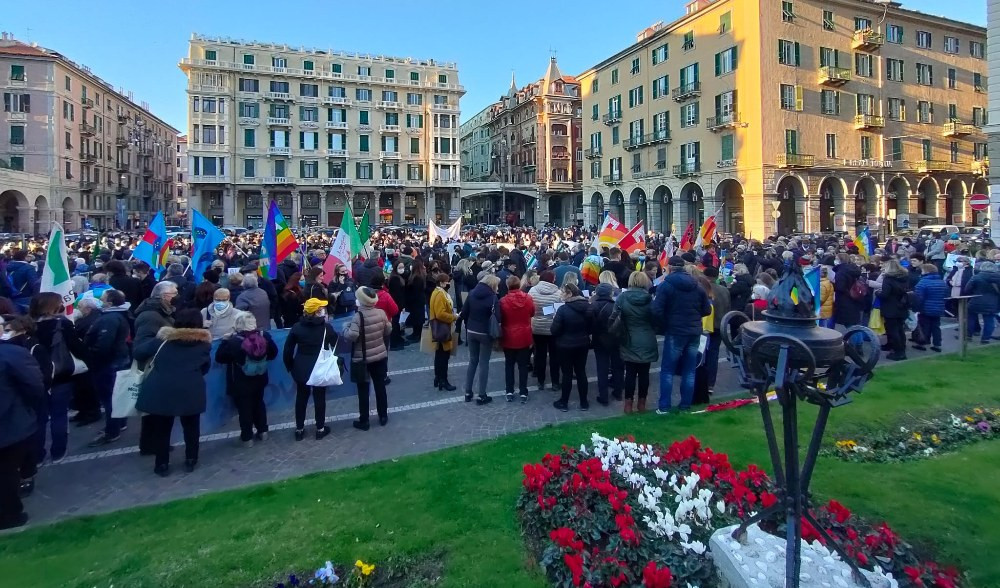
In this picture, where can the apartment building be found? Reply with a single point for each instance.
(798, 115)
(474, 145)
(109, 160)
(315, 129)
(180, 212)
(993, 128)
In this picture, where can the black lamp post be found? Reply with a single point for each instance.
(801, 361)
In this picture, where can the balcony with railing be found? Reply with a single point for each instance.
(87, 103)
(529, 141)
(147, 170)
(868, 121)
(388, 129)
(248, 121)
(336, 101)
(834, 76)
(388, 104)
(210, 179)
(389, 182)
(87, 185)
(722, 122)
(88, 158)
(275, 180)
(278, 96)
(87, 130)
(279, 121)
(279, 151)
(340, 153)
(592, 153)
(122, 166)
(389, 155)
(687, 169)
(932, 165)
(336, 124)
(867, 40)
(958, 128)
(613, 179)
(446, 107)
(147, 192)
(561, 155)
(613, 117)
(336, 181)
(795, 160)
(682, 93)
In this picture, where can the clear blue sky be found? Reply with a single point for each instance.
(137, 45)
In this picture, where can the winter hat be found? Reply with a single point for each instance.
(711, 272)
(367, 296)
(676, 261)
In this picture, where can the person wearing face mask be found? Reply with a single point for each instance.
(155, 313)
(107, 341)
(22, 396)
(342, 292)
(301, 351)
(443, 311)
(291, 300)
(220, 316)
(956, 280)
(397, 289)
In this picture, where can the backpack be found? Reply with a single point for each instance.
(62, 360)
(255, 346)
(860, 289)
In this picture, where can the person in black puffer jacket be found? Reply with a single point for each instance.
(742, 287)
(22, 396)
(246, 390)
(479, 307)
(301, 351)
(606, 347)
(397, 289)
(895, 307)
(107, 343)
(571, 329)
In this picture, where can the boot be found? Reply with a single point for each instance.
(628, 406)
(641, 405)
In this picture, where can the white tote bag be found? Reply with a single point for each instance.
(126, 392)
(326, 372)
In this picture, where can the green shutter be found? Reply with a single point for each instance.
(727, 147)
(271, 135)
(734, 57)
(337, 68)
(302, 140)
(798, 59)
(302, 169)
(718, 64)
(718, 105)
(363, 143)
(781, 45)
(695, 73)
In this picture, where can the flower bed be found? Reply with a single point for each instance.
(923, 439)
(619, 513)
(395, 572)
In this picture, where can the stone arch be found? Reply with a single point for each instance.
(616, 205)
(832, 191)
(980, 186)
(954, 204)
(866, 193)
(729, 194)
(897, 201)
(12, 204)
(663, 198)
(791, 189)
(597, 202)
(927, 199)
(70, 215)
(637, 198)
(693, 199)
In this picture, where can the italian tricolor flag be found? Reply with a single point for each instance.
(55, 275)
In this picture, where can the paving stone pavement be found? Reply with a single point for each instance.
(422, 419)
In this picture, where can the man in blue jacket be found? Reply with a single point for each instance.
(679, 305)
(23, 280)
(22, 395)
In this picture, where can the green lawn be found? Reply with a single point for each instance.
(460, 502)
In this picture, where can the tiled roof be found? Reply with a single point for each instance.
(26, 50)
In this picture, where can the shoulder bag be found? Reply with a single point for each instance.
(326, 371)
(128, 384)
(494, 322)
(359, 368)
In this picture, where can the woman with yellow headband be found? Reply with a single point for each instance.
(302, 347)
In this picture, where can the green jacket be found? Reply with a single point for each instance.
(637, 312)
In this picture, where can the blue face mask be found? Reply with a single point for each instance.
(220, 306)
(642, 258)
(302, 283)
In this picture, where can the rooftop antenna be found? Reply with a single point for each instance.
(28, 34)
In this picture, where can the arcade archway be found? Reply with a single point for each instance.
(790, 190)
(638, 201)
(927, 200)
(897, 202)
(665, 200)
(694, 201)
(11, 203)
(866, 203)
(617, 205)
(831, 193)
(729, 193)
(954, 204)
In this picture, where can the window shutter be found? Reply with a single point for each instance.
(302, 140)
(734, 57)
(718, 105)
(631, 98)
(718, 64)
(683, 77)
(302, 169)
(836, 102)
(695, 72)
(733, 106)
(695, 109)
(798, 60)
(798, 98)
(271, 136)
(640, 94)
(781, 45)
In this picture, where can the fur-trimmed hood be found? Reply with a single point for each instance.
(184, 335)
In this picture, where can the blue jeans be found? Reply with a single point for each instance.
(480, 349)
(104, 383)
(989, 323)
(680, 357)
(609, 360)
(54, 414)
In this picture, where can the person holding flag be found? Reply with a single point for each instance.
(206, 237)
(687, 239)
(150, 249)
(278, 243)
(611, 233)
(634, 240)
(55, 275)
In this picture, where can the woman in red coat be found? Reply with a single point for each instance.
(516, 310)
(385, 303)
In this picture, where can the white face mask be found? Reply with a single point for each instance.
(401, 270)
(321, 314)
(7, 335)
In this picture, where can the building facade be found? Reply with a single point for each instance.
(474, 146)
(793, 116)
(180, 211)
(109, 160)
(534, 140)
(993, 129)
(316, 129)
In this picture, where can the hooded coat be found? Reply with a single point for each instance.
(22, 394)
(571, 326)
(175, 384)
(479, 306)
(543, 294)
(516, 311)
(846, 310)
(637, 312)
(985, 285)
(680, 304)
(220, 324)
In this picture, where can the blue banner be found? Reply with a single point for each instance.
(206, 238)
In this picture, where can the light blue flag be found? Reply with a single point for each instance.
(206, 237)
(812, 278)
(152, 243)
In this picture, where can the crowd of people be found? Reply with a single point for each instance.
(544, 298)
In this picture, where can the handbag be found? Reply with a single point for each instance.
(128, 385)
(359, 369)
(63, 363)
(440, 331)
(326, 371)
(494, 322)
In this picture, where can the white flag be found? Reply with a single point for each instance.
(454, 232)
(340, 252)
(55, 275)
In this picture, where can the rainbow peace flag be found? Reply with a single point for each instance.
(591, 268)
(284, 240)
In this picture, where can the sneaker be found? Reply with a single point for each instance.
(524, 398)
(20, 521)
(26, 488)
(936, 349)
(162, 470)
(361, 425)
(483, 400)
(662, 412)
(102, 440)
(510, 397)
(584, 407)
(896, 356)
(561, 406)
(123, 428)
(300, 434)
(261, 436)
(322, 432)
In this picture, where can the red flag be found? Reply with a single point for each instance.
(634, 240)
(687, 240)
(663, 259)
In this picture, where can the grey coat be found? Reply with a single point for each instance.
(256, 302)
(377, 328)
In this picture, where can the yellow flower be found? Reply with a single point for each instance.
(969, 419)
(935, 439)
(978, 411)
(847, 444)
(918, 437)
(365, 569)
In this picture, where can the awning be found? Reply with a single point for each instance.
(385, 211)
